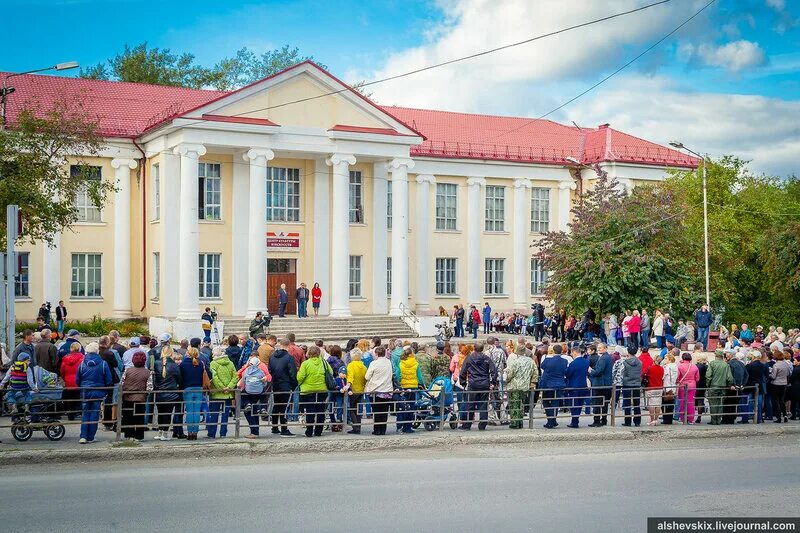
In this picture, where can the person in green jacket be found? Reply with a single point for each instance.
(223, 383)
(718, 380)
(313, 390)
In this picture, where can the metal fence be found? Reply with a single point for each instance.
(185, 411)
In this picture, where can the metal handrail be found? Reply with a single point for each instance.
(408, 313)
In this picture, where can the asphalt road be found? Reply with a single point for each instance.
(565, 487)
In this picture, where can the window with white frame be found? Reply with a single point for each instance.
(283, 194)
(445, 276)
(87, 211)
(389, 204)
(355, 276)
(22, 286)
(446, 206)
(209, 275)
(540, 210)
(156, 275)
(539, 277)
(209, 200)
(495, 208)
(356, 197)
(86, 276)
(389, 276)
(493, 276)
(156, 192)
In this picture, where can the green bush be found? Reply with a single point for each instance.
(98, 326)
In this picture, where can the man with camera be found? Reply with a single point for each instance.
(259, 324)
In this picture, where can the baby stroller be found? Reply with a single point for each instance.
(430, 403)
(41, 413)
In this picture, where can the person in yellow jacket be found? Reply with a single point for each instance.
(224, 380)
(409, 376)
(356, 381)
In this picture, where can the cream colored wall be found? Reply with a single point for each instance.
(320, 112)
(361, 240)
(27, 308)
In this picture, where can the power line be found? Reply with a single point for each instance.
(617, 71)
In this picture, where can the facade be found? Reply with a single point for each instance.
(297, 178)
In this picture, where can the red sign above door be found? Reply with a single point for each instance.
(283, 240)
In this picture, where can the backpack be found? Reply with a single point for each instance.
(254, 380)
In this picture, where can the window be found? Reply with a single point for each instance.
(355, 276)
(540, 210)
(87, 211)
(445, 276)
(389, 205)
(86, 275)
(494, 276)
(538, 277)
(389, 276)
(209, 275)
(156, 275)
(156, 192)
(446, 206)
(495, 208)
(283, 194)
(22, 286)
(209, 198)
(356, 197)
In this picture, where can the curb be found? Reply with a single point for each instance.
(244, 448)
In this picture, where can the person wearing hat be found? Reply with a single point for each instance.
(135, 382)
(20, 381)
(73, 336)
(94, 376)
(440, 362)
(519, 372)
(718, 379)
(133, 347)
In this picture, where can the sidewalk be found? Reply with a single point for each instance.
(41, 451)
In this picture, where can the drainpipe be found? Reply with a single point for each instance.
(143, 166)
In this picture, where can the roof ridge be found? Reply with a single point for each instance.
(117, 83)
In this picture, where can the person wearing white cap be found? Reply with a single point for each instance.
(133, 347)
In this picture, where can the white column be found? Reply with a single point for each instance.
(240, 222)
(565, 189)
(380, 237)
(399, 168)
(256, 236)
(522, 225)
(188, 233)
(474, 222)
(170, 239)
(51, 270)
(122, 237)
(424, 267)
(340, 256)
(322, 233)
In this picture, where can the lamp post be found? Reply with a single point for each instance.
(681, 146)
(8, 90)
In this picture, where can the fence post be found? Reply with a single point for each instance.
(119, 413)
(237, 398)
(442, 415)
(531, 396)
(345, 406)
(756, 410)
(613, 406)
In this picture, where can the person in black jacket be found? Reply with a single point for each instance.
(284, 380)
(167, 382)
(480, 374)
(757, 374)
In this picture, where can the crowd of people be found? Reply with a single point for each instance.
(174, 388)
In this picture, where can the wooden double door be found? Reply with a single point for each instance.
(281, 271)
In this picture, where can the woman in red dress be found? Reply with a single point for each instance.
(316, 298)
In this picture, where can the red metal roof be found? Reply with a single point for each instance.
(125, 109)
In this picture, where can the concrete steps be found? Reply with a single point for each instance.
(310, 329)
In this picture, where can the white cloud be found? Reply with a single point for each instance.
(777, 5)
(762, 129)
(734, 56)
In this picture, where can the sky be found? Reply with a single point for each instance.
(728, 82)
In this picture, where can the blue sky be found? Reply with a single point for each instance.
(729, 82)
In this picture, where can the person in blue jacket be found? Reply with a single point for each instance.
(600, 378)
(92, 377)
(487, 318)
(578, 392)
(552, 382)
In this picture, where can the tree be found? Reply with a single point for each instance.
(623, 252)
(34, 173)
(247, 67)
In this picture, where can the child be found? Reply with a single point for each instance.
(21, 382)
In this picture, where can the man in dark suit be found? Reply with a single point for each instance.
(301, 295)
(283, 299)
(600, 378)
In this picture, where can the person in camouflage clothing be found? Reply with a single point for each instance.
(519, 374)
(440, 363)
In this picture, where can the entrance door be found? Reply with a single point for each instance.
(281, 271)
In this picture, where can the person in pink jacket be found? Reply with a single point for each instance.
(688, 376)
